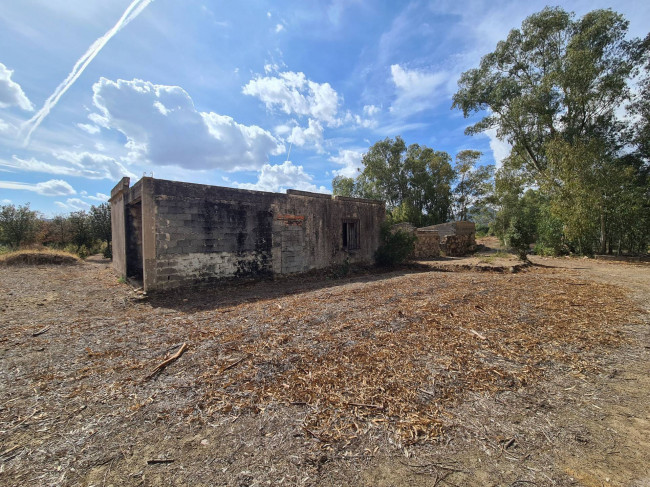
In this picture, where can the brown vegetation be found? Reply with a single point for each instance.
(312, 381)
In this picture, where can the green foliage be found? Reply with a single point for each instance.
(100, 226)
(521, 233)
(474, 183)
(342, 186)
(395, 248)
(414, 181)
(342, 270)
(80, 229)
(18, 225)
(551, 89)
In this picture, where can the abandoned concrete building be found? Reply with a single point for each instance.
(170, 234)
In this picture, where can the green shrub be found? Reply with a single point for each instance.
(520, 234)
(395, 247)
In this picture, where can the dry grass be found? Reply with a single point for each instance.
(398, 357)
(39, 257)
(286, 370)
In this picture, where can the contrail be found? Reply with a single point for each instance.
(132, 11)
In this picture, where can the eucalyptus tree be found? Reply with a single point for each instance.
(551, 89)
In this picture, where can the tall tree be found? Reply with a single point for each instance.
(473, 183)
(551, 89)
(18, 225)
(414, 181)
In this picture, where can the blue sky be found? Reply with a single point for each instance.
(254, 94)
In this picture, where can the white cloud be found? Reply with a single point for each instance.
(371, 110)
(11, 94)
(163, 127)
(101, 197)
(279, 28)
(350, 159)
(5, 202)
(280, 177)
(313, 135)
(81, 164)
(4, 126)
(73, 204)
(53, 187)
(416, 90)
(91, 129)
(132, 11)
(293, 93)
(500, 148)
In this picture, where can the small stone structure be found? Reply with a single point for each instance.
(171, 234)
(427, 245)
(456, 238)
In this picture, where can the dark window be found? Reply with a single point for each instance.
(351, 234)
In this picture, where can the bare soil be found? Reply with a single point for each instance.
(413, 377)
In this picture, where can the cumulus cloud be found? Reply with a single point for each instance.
(311, 135)
(101, 197)
(280, 177)
(73, 204)
(371, 110)
(162, 127)
(350, 159)
(5, 202)
(11, 94)
(416, 90)
(53, 187)
(80, 164)
(132, 11)
(293, 93)
(358, 120)
(279, 28)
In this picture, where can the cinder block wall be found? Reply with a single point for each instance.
(192, 233)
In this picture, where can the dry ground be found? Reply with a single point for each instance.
(414, 377)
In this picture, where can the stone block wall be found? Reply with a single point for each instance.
(427, 245)
(192, 233)
(459, 245)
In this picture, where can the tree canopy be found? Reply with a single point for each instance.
(552, 90)
(414, 181)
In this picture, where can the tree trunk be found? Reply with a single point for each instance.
(603, 236)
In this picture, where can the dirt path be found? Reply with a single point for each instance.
(552, 390)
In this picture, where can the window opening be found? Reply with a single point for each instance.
(350, 234)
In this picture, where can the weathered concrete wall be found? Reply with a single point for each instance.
(192, 233)
(118, 226)
(205, 233)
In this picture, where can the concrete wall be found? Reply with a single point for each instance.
(118, 226)
(192, 233)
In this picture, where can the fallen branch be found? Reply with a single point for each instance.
(228, 367)
(164, 364)
(155, 461)
(361, 405)
(474, 332)
(40, 332)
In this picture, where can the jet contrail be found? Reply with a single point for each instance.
(132, 11)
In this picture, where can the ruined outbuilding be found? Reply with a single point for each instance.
(170, 234)
(456, 238)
